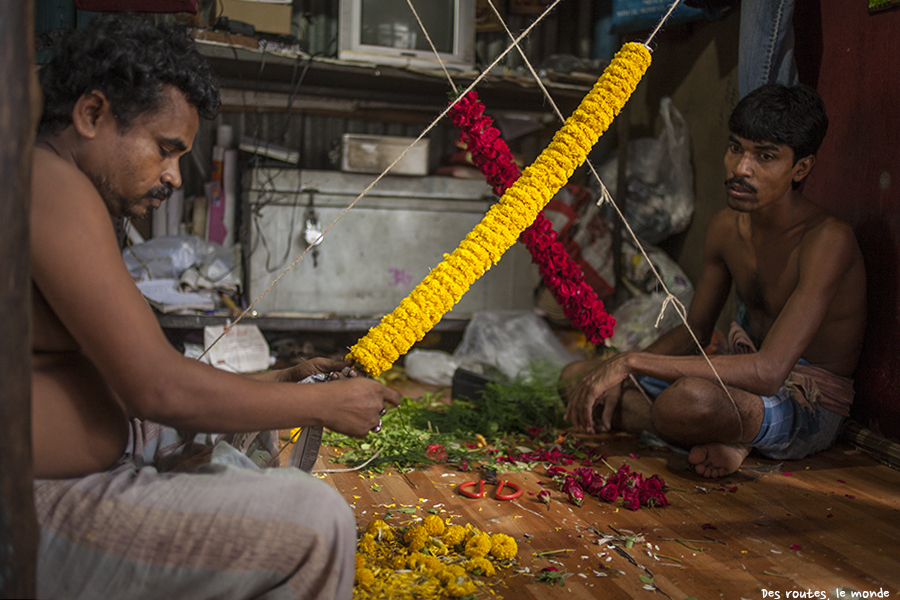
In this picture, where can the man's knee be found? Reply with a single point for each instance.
(687, 406)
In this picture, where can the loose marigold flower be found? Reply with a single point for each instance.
(433, 524)
(503, 547)
(478, 545)
(450, 573)
(365, 577)
(480, 566)
(454, 535)
(367, 545)
(504, 222)
(380, 530)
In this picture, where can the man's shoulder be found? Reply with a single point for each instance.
(59, 184)
(724, 224)
(830, 230)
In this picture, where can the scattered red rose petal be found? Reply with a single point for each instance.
(634, 456)
(788, 474)
(707, 526)
(795, 546)
(850, 496)
(829, 516)
(841, 481)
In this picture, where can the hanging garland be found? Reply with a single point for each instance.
(506, 220)
(561, 275)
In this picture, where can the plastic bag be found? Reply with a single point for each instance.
(510, 342)
(583, 232)
(640, 15)
(498, 343)
(660, 191)
(636, 326)
(168, 257)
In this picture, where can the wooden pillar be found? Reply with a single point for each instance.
(18, 528)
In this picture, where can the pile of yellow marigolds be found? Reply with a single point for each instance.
(428, 560)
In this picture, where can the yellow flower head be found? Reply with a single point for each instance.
(367, 545)
(503, 547)
(434, 525)
(417, 560)
(365, 577)
(360, 560)
(501, 226)
(480, 566)
(380, 530)
(478, 545)
(417, 537)
(450, 573)
(454, 535)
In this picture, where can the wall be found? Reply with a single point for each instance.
(696, 65)
(853, 58)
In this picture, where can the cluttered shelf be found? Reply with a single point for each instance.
(243, 63)
(324, 323)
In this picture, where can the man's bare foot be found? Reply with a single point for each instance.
(718, 460)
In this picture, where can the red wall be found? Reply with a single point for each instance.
(853, 59)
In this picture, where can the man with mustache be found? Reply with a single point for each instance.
(123, 101)
(783, 390)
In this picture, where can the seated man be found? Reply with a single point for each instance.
(799, 274)
(122, 103)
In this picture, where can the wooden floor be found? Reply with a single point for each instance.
(795, 530)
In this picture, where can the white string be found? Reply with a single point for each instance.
(383, 173)
(661, 21)
(430, 43)
(605, 196)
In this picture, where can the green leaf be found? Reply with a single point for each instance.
(376, 488)
(409, 511)
(646, 580)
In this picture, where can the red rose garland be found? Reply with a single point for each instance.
(562, 276)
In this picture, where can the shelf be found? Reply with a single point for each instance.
(244, 68)
(309, 324)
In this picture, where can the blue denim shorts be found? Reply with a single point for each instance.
(788, 431)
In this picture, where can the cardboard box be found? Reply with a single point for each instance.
(362, 153)
(270, 16)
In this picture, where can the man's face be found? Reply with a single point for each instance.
(759, 173)
(139, 166)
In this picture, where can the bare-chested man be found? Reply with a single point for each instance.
(122, 103)
(800, 277)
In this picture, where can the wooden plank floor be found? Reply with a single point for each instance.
(799, 530)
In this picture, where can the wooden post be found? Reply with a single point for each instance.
(18, 528)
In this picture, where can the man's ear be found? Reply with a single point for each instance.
(91, 112)
(803, 167)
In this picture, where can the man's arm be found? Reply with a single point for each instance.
(77, 265)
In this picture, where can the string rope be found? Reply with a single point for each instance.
(431, 126)
(664, 18)
(430, 43)
(607, 197)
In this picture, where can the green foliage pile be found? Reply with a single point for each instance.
(502, 414)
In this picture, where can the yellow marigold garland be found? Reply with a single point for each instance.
(505, 221)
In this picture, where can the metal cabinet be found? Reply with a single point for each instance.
(376, 252)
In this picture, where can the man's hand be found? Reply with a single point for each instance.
(313, 366)
(600, 385)
(358, 405)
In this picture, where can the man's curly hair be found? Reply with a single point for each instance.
(129, 60)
